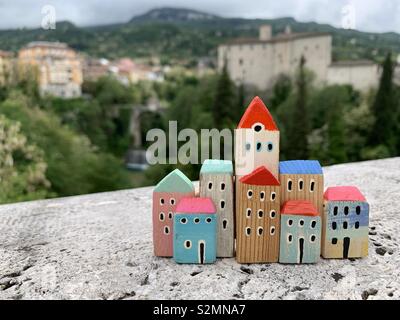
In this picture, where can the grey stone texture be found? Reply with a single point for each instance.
(99, 246)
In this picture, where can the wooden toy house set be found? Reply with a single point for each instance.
(265, 211)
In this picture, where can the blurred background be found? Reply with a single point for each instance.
(82, 83)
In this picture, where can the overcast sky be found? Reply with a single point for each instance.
(369, 15)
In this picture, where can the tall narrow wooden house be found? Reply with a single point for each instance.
(216, 182)
(345, 223)
(257, 217)
(166, 195)
(256, 140)
(302, 180)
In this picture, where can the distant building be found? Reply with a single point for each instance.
(6, 63)
(127, 71)
(56, 66)
(93, 69)
(260, 61)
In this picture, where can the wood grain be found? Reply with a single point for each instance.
(256, 248)
(225, 232)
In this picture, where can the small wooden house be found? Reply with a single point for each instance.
(166, 195)
(195, 231)
(300, 232)
(345, 223)
(216, 182)
(256, 140)
(302, 180)
(257, 217)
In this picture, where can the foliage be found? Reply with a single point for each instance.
(385, 109)
(22, 166)
(74, 165)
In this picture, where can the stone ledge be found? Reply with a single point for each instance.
(99, 246)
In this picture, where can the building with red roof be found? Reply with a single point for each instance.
(346, 220)
(256, 140)
(300, 240)
(257, 217)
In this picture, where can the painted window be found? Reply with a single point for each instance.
(289, 185)
(312, 186)
(166, 230)
(260, 213)
(313, 224)
(270, 146)
(335, 211)
(260, 231)
(249, 194)
(290, 222)
(262, 195)
(196, 220)
(258, 126)
(272, 214)
(170, 215)
(272, 230)
(289, 238)
(358, 210)
(356, 224)
(162, 216)
(248, 212)
(222, 186)
(210, 185)
(248, 146)
(301, 184)
(188, 244)
(334, 240)
(313, 238)
(172, 201)
(334, 226)
(224, 224)
(258, 146)
(222, 204)
(301, 222)
(346, 210)
(247, 231)
(208, 220)
(273, 196)
(183, 220)
(345, 225)
(162, 201)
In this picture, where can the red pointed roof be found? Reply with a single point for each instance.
(299, 207)
(195, 205)
(257, 112)
(260, 177)
(343, 193)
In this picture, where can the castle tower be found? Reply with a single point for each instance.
(256, 140)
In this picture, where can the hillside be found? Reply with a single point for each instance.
(184, 34)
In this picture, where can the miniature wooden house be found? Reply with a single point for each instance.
(166, 195)
(302, 180)
(345, 223)
(257, 217)
(256, 140)
(195, 231)
(216, 182)
(300, 232)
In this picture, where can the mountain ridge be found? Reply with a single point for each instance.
(185, 34)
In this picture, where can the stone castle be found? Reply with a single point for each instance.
(260, 61)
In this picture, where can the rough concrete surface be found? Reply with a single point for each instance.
(99, 246)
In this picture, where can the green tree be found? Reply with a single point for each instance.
(385, 110)
(336, 138)
(22, 166)
(280, 90)
(299, 128)
(224, 106)
(74, 164)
